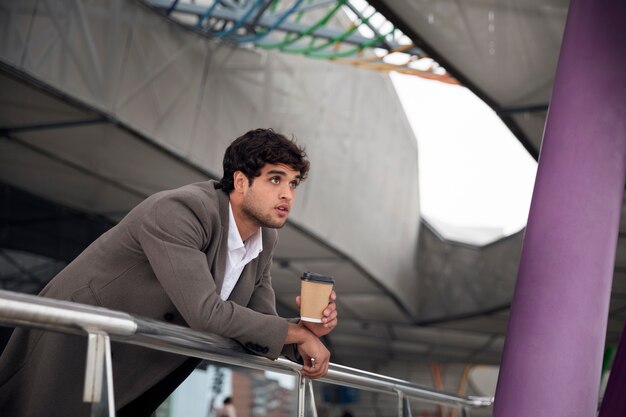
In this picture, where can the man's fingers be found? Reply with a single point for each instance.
(330, 314)
(330, 309)
(315, 373)
(330, 319)
(320, 369)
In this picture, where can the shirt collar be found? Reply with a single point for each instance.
(253, 246)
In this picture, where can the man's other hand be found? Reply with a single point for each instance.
(329, 320)
(315, 356)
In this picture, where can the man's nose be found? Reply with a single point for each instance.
(286, 193)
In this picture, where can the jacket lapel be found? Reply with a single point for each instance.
(252, 272)
(245, 285)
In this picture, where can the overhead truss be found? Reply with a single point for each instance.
(346, 31)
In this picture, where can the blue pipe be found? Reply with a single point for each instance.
(239, 22)
(172, 7)
(206, 14)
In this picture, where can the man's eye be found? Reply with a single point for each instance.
(294, 184)
(275, 180)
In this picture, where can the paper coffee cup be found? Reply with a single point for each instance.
(314, 296)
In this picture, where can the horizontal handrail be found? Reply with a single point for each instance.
(68, 317)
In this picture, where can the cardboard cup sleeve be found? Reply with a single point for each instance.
(314, 296)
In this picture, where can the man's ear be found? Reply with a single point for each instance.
(239, 181)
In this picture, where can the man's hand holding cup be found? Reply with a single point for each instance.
(318, 311)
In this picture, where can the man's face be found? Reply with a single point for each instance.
(269, 199)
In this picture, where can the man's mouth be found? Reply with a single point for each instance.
(283, 208)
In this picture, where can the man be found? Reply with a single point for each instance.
(197, 256)
(227, 410)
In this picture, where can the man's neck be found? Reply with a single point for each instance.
(245, 226)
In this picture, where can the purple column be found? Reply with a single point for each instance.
(552, 357)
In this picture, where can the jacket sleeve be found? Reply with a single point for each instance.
(172, 236)
(264, 300)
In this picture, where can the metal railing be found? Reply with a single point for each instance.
(101, 325)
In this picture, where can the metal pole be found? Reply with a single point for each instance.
(553, 352)
(310, 409)
(404, 406)
(301, 394)
(99, 375)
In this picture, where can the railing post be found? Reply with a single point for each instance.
(306, 398)
(310, 410)
(99, 375)
(301, 394)
(404, 406)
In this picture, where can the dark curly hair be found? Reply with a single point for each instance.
(250, 152)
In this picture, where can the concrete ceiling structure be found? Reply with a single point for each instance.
(504, 51)
(104, 103)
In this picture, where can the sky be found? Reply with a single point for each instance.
(474, 173)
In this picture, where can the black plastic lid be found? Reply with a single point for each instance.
(312, 276)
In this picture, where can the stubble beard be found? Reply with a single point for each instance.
(254, 213)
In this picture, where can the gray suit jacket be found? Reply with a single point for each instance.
(165, 260)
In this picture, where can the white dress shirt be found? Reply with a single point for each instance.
(239, 254)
